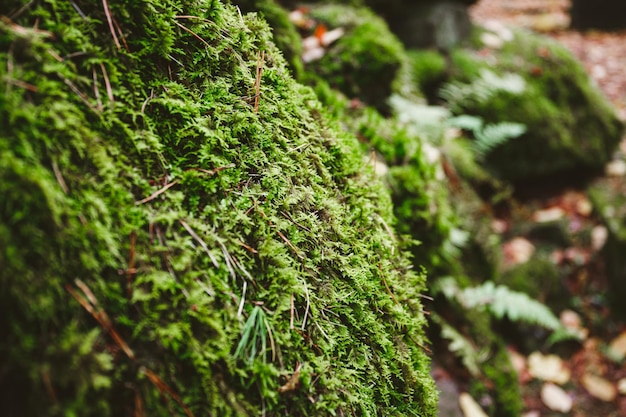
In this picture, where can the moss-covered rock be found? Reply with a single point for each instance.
(365, 61)
(571, 129)
(184, 229)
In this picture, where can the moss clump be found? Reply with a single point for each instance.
(365, 61)
(284, 33)
(570, 126)
(237, 243)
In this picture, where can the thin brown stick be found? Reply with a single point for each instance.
(107, 13)
(289, 244)
(119, 30)
(382, 276)
(248, 247)
(22, 84)
(54, 55)
(194, 34)
(96, 91)
(308, 305)
(45, 377)
(139, 407)
(98, 314)
(157, 193)
(145, 103)
(200, 241)
(213, 171)
(295, 222)
(59, 177)
(107, 83)
(164, 388)
(79, 93)
(131, 264)
(21, 30)
(257, 81)
(291, 315)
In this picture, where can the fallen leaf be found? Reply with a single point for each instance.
(491, 40)
(616, 168)
(555, 398)
(572, 322)
(517, 360)
(499, 226)
(599, 234)
(548, 368)
(470, 407)
(331, 36)
(617, 347)
(548, 215)
(621, 386)
(584, 207)
(517, 251)
(599, 387)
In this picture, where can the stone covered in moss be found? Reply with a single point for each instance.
(184, 230)
(571, 129)
(365, 61)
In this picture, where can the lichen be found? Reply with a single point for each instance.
(173, 242)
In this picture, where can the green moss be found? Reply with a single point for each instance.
(284, 33)
(571, 127)
(365, 61)
(148, 175)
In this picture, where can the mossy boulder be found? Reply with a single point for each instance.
(571, 128)
(363, 63)
(185, 230)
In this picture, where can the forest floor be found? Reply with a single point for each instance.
(585, 380)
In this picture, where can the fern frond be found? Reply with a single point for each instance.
(460, 346)
(494, 135)
(501, 301)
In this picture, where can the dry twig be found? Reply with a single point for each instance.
(93, 307)
(107, 12)
(257, 81)
(157, 193)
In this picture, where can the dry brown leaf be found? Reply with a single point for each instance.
(584, 207)
(518, 251)
(555, 398)
(615, 168)
(617, 348)
(517, 360)
(621, 386)
(599, 234)
(470, 407)
(548, 215)
(548, 368)
(599, 387)
(572, 322)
